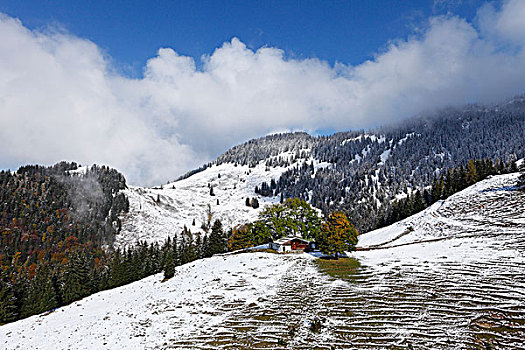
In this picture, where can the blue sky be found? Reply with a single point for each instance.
(131, 32)
(158, 88)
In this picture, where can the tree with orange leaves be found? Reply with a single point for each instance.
(337, 235)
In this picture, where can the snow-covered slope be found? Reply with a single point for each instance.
(489, 206)
(181, 202)
(149, 314)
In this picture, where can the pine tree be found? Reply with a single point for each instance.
(437, 189)
(40, 295)
(216, 240)
(205, 247)
(521, 179)
(176, 252)
(182, 255)
(8, 300)
(74, 280)
(417, 204)
(169, 267)
(190, 245)
(198, 247)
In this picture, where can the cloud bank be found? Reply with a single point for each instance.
(60, 98)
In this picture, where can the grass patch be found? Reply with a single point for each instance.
(345, 269)
(271, 251)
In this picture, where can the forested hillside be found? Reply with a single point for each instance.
(362, 173)
(54, 223)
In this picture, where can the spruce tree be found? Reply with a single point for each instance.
(8, 300)
(191, 253)
(169, 267)
(198, 247)
(205, 247)
(40, 295)
(216, 241)
(176, 252)
(75, 279)
(521, 179)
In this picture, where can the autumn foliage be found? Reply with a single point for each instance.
(337, 235)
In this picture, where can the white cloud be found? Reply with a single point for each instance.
(507, 24)
(59, 98)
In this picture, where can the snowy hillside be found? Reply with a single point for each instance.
(149, 314)
(471, 213)
(181, 202)
(357, 172)
(451, 277)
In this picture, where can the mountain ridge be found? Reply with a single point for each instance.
(359, 172)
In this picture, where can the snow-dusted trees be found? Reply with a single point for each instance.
(9, 310)
(521, 179)
(363, 171)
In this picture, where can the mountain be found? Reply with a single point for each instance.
(219, 191)
(56, 225)
(451, 276)
(70, 231)
(361, 173)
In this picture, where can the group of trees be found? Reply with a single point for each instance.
(191, 247)
(253, 202)
(57, 228)
(54, 220)
(267, 190)
(84, 270)
(296, 217)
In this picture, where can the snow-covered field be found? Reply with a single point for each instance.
(150, 314)
(451, 277)
(477, 218)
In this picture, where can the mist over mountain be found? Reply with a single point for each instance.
(66, 93)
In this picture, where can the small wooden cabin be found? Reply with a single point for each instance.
(290, 244)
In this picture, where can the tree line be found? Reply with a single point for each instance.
(84, 271)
